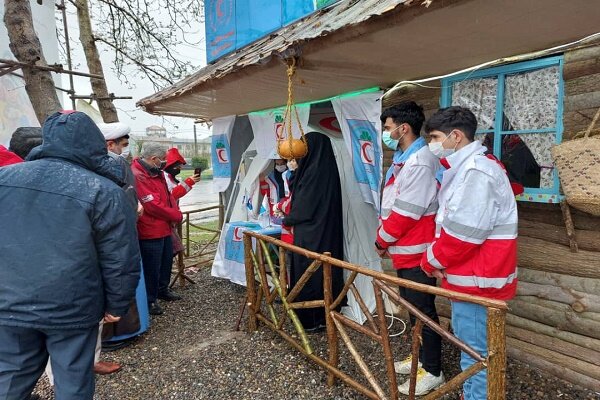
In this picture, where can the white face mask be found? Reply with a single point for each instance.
(281, 168)
(292, 165)
(125, 152)
(438, 150)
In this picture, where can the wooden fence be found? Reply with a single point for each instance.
(262, 293)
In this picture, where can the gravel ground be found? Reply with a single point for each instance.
(192, 352)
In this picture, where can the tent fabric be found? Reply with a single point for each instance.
(268, 127)
(221, 152)
(358, 117)
(360, 228)
(360, 221)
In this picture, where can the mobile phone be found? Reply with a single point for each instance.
(198, 171)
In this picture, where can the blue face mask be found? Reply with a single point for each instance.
(389, 141)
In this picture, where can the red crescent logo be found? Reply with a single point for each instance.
(236, 234)
(222, 155)
(328, 123)
(367, 148)
(279, 131)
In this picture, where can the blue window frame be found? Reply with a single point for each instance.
(494, 95)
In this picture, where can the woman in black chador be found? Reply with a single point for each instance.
(316, 215)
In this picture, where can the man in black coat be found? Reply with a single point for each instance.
(69, 256)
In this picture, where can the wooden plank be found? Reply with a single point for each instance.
(585, 285)
(570, 363)
(585, 84)
(547, 256)
(578, 69)
(561, 372)
(551, 214)
(544, 329)
(554, 344)
(586, 240)
(582, 101)
(564, 320)
(584, 53)
(578, 301)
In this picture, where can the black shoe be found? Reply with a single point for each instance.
(169, 295)
(154, 309)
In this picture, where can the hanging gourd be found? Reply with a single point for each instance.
(290, 148)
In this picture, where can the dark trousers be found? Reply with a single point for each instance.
(430, 353)
(24, 353)
(157, 258)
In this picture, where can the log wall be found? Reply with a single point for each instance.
(554, 321)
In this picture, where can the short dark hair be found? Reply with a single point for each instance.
(407, 112)
(450, 118)
(24, 139)
(119, 139)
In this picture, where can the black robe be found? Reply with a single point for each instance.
(316, 215)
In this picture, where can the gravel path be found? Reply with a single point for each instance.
(192, 352)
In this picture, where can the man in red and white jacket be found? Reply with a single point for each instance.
(154, 226)
(407, 227)
(475, 250)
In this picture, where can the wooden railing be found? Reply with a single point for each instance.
(262, 292)
(195, 253)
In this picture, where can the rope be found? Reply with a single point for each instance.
(287, 118)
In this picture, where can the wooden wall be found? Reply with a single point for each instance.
(554, 321)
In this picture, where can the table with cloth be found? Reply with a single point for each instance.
(229, 259)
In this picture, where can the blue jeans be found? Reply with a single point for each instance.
(157, 258)
(24, 353)
(469, 323)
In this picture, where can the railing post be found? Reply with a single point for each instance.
(187, 234)
(221, 210)
(250, 284)
(496, 336)
(385, 343)
(332, 339)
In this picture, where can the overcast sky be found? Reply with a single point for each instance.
(128, 113)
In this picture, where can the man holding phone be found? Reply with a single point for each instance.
(173, 167)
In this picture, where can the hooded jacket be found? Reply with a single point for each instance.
(68, 249)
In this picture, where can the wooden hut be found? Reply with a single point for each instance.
(555, 320)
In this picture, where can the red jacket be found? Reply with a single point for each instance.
(287, 232)
(160, 208)
(477, 223)
(408, 209)
(178, 189)
(8, 157)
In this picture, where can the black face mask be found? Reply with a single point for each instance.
(173, 171)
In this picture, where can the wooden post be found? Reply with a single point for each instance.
(332, 339)
(187, 234)
(385, 342)
(414, 365)
(566, 212)
(496, 337)
(221, 210)
(253, 307)
(283, 276)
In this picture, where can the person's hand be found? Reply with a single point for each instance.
(196, 178)
(438, 274)
(382, 252)
(108, 318)
(140, 209)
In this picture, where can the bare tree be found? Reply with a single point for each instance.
(145, 34)
(105, 105)
(26, 46)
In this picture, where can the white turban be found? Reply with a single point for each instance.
(114, 130)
